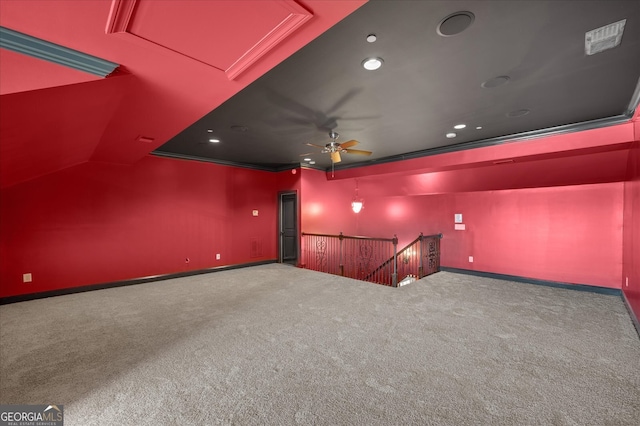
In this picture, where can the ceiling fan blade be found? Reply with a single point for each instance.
(358, 152)
(308, 153)
(335, 157)
(347, 144)
(317, 146)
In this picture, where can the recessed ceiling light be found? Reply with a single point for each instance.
(214, 140)
(371, 38)
(312, 162)
(455, 23)
(451, 135)
(478, 127)
(496, 81)
(210, 130)
(372, 64)
(307, 159)
(459, 126)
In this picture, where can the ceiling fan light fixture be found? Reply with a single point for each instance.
(372, 64)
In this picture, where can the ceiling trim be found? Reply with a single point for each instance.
(518, 137)
(122, 13)
(635, 100)
(211, 160)
(51, 52)
(534, 134)
(119, 16)
(298, 15)
(282, 168)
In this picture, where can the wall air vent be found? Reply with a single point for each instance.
(603, 38)
(42, 49)
(144, 139)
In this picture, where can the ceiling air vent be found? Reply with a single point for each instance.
(603, 38)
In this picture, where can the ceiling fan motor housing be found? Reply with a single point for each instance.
(333, 147)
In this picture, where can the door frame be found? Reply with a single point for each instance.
(280, 227)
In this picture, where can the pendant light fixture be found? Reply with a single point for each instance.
(357, 203)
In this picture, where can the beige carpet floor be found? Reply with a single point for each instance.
(278, 345)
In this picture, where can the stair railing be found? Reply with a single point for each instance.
(371, 259)
(350, 256)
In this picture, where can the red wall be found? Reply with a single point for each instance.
(631, 267)
(326, 205)
(568, 234)
(97, 222)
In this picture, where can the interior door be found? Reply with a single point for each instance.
(289, 228)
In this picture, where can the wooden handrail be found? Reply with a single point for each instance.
(399, 254)
(350, 237)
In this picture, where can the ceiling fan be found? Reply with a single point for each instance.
(334, 148)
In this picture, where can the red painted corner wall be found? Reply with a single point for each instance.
(97, 223)
(631, 264)
(570, 234)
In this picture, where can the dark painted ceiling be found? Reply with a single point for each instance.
(428, 84)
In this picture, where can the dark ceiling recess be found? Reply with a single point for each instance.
(455, 23)
(518, 113)
(498, 60)
(495, 82)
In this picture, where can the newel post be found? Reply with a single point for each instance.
(341, 237)
(421, 265)
(394, 277)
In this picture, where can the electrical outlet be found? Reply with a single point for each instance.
(470, 259)
(27, 278)
(218, 256)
